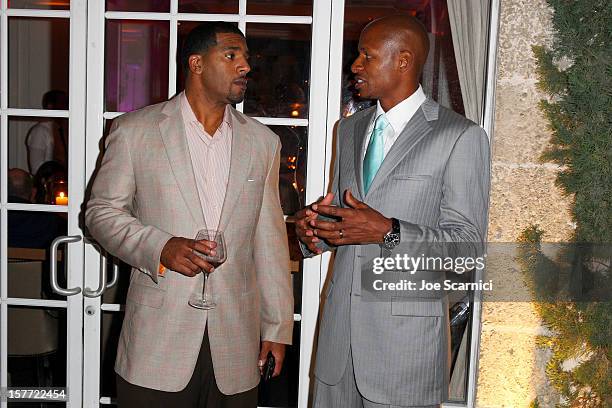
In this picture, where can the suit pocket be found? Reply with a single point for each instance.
(417, 307)
(254, 181)
(255, 178)
(416, 177)
(253, 186)
(146, 295)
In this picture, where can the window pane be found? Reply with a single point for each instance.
(138, 5)
(460, 315)
(111, 328)
(40, 4)
(37, 146)
(136, 69)
(36, 348)
(208, 6)
(30, 234)
(38, 60)
(292, 180)
(280, 70)
(297, 276)
(280, 7)
(440, 80)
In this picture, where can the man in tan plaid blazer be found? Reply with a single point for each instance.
(149, 198)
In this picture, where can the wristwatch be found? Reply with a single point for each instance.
(392, 238)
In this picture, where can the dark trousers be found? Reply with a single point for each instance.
(200, 392)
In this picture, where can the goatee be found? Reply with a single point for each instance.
(234, 99)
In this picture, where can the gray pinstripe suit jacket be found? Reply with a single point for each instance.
(145, 193)
(435, 180)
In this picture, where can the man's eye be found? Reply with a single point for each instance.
(230, 56)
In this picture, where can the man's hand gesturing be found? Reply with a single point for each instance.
(178, 255)
(358, 224)
(303, 229)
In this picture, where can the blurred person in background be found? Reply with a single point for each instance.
(48, 139)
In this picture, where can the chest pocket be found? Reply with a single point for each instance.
(415, 177)
(253, 184)
(251, 196)
(414, 185)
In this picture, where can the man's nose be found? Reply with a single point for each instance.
(356, 66)
(244, 68)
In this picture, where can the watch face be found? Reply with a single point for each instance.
(391, 240)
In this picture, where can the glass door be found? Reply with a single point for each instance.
(68, 68)
(131, 63)
(42, 145)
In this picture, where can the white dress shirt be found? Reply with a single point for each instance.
(40, 144)
(398, 117)
(210, 157)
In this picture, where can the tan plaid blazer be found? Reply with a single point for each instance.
(143, 194)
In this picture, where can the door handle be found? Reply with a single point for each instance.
(115, 275)
(103, 285)
(53, 272)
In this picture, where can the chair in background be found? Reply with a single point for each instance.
(32, 332)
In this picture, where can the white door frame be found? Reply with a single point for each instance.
(487, 122)
(76, 181)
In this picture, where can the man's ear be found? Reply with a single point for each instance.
(406, 60)
(196, 64)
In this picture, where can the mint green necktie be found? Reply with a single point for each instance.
(375, 154)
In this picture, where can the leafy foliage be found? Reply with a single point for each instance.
(576, 73)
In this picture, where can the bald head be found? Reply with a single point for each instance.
(392, 53)
(404, 34)
(19, 184)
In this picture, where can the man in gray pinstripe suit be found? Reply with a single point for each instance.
(408, 173)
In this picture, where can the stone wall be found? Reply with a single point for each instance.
(511, 368)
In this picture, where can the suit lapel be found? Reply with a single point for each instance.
(240, 163)
(417, 128)
(172, 130)
(361, 127)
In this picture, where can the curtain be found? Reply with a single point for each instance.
(469, 27)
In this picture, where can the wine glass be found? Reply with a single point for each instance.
(205, 299)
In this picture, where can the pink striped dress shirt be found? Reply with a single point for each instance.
(210, 157)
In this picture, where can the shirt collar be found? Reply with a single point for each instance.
(190, 117)
(400, 114)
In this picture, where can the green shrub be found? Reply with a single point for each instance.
(576, 73)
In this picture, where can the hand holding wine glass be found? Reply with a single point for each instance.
(179, 255)
(215, 258)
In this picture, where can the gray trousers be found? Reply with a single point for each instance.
(345, 394)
